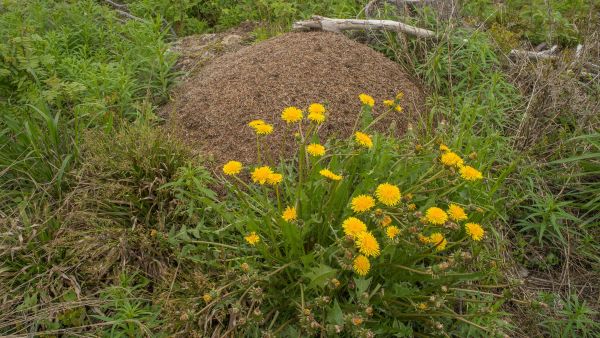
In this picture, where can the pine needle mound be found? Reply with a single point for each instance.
(211, 109)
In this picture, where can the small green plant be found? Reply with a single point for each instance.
(574, 319)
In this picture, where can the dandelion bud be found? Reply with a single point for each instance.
(245, 280)
(473, 156)
(369, 334)
(418, 214)
(207, 297)
(335, 283)
(443, 266)
(245, 267)
(369, 311)
(153, 233)
(378, 212)
(357, 321)
(444, 288)
(306, 312)
(418, 148)
(184, 316)
(413, 230)
(257, 312)
(338, 328)
(314, 325)
(439, 326)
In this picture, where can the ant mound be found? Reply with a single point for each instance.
(212, 108)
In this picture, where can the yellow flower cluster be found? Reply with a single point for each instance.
(435, 215)
(456, 213)
(289, 214)
(362, 203)
(316, 113)
(315, 149)
(330, 175)
(291, 115)
(232, 168)
(451, 159)
(388, 194)
(353, 226)
(265, 175)
(261, 127)
(367, 100)
(475, 231)
(252, 238)
(435, 238)
(363, 140)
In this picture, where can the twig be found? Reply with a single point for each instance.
(338, 25)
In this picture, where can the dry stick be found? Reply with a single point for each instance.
(338, 25)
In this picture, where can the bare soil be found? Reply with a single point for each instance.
(212, 107)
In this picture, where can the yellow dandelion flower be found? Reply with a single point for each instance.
(315, 149)
(399, 96)
(367, 100)
(436, 215)
(289, 214)
(361, 265)
(207, 297)
(412, 207)
(388, 103)
(274, 179)
(422, 306)
(261, 174)
(398, 108)
(418, 148)
(255, 123)
(263, 129)
(367, 244)
(362, 203)
(392, 232)
(363, 139)
(232, 168)
(423, 239)
(444, 147)
(353, 226)
(291, 114)
(451, 159)
(388, 194)
(438, 240)
(318, 118)
(252, 238)
(387, 220)
(330, 175)
(316, 108)
(456, 213)
(470, 173)
(475, 231)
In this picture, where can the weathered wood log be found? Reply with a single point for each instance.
(544, 55)
(338, 25)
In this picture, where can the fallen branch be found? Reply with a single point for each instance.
(338, 25)
(544, 55)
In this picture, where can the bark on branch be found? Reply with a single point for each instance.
(338, 25)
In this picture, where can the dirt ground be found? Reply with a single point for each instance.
(234, 84)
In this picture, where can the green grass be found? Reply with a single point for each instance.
(108, 226)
